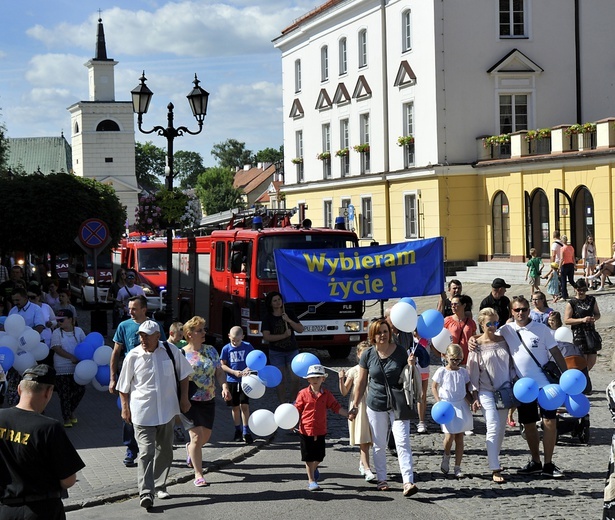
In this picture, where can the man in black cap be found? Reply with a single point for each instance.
(38, 461)
(497, 301)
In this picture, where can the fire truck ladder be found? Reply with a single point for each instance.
(235, 218)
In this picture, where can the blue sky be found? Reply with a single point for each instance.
(44, 44)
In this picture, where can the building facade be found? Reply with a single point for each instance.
(387, 103)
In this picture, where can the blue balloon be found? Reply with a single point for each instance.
(103, 375)
(526, 390)
(84, 351)
(119, 402)
(256, 360)
(551, 397)
(573, 381)
(430, 324)
(7, 357)
(270, 375)
(409, 300)
(577, 405)
(95, 339)
(442, 412)
(301, 362)
(2, 320)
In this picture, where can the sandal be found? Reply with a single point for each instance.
(410, 489)
(201, 482)
(511, 423)
(497, 477)
(383, 485)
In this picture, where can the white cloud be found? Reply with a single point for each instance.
(188, 28)
(3, 54)
(57, 69)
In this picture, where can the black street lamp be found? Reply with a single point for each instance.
(141, 97)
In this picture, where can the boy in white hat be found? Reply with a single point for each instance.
(313, 403)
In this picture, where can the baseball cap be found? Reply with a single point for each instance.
(316, 371)
(43, 374)
(64, 313)
(149, 327)
(499, 283)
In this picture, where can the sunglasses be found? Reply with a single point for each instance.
(32, 296)
(492, 323)
(456, 360)
(520, 309)
(60, 320)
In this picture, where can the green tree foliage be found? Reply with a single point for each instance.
(216, 192)
(187, 167)
(43, 213)
(232, 154)
(270, 155)
(4, 150)
(149, 165)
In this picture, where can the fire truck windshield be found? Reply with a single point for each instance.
(152, 259)
(265, 267)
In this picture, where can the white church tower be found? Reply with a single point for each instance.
(103, 132)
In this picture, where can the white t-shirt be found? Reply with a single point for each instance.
(538, 338)
(556, 250)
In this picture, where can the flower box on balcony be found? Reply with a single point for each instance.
(361, 148)
(541, 133)
(297, 160)
(324, 156)
(405, 140)
(496, 140)
(585, 128)
(342, 153)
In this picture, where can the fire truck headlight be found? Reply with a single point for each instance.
(148, 290)
(253, 329)
(90, 280)
(352, 326)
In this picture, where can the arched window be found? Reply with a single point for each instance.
(363, 48)
(108, 126)
(406, 31)
(500, 225)
(343, 57)
(76, 128)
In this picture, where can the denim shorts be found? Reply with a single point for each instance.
(281, 359)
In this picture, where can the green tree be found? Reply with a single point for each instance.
(149, 165)
(270, 155)
(4, 150)
(232, 154)
(216, 192)
(43, 213)
(187, 167)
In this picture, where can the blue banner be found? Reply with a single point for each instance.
(364, 273)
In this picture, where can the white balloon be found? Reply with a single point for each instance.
(102, 355)
(23, 361)
(404, 317)
(286, 416)
(81, 381)
(98, 386)
(15, 325)
(442, 341)
(253, 387)
(563, 334)
(40, 352)
(29, 339)
(9, 341)
(86, 370)
(262, 423)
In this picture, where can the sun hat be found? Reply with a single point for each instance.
(316, 371)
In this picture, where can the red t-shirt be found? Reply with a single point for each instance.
(568, 254)
(462, 331)
(313, 410)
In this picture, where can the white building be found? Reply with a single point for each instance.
(443, 71)
(102, 131)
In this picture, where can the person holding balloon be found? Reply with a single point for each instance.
(64, 340)
(490, 367)
(312, 403)
(383, 364)
(451, 383)
(359, 431)
(202, 391)
(233, 362)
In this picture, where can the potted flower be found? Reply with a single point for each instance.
(342, 153)
(405, 140)
(585, 128)
(496, 140)
(541, 133)
(361, 148)
(324, 156)
(297, 160)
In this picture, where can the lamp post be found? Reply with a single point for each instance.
(141, 97)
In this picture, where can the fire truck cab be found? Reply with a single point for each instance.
(225, 277)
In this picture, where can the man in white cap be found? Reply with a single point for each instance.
(148, 387)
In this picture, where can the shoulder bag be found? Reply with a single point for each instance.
(550, 369)
(503, 396)
(396, 397)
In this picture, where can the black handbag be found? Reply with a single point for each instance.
(550, 369)
(396, 398)
(593, 340)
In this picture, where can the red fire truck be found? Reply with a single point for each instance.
(226, 275)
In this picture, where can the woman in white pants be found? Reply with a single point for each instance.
(385, 360)
(490, 367)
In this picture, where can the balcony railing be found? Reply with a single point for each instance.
(408, 155)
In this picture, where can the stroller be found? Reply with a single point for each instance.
(576, 427)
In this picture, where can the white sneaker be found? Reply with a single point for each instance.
(468, 433)
(421, 428)
(361, 469)
(162, 494)
(369, 476)
(600, 289)
(445, 467)
(458, 472)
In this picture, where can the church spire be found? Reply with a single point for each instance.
(101, 48)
